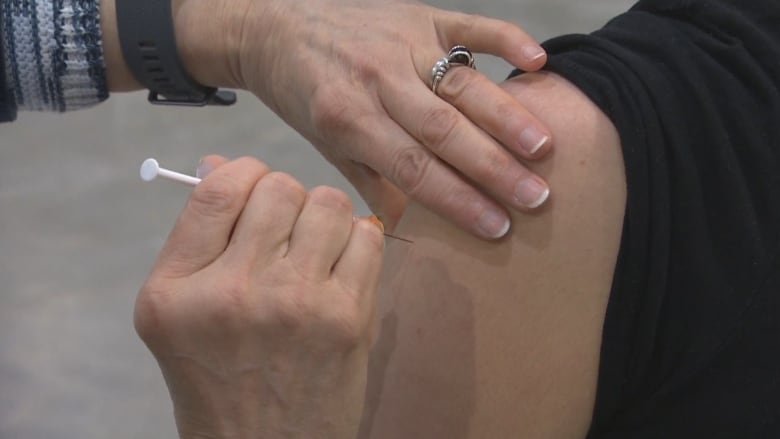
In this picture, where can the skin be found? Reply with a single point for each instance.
(482, 339)
(475, 339)
(372, 115)
(260, 328)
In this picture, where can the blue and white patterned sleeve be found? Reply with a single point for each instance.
(7, 107)
(53, 54)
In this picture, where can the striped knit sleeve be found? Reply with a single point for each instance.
(7, 107)
(53, 54)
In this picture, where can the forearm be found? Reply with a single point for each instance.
(208, 35)
(118, 75)
(52, 55)
(7, 109)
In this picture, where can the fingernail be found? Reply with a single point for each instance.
(531, 139)
(531, 192)
(373, 219)
(493, 224)
(532, 52)
(203, 169)
(377, 222)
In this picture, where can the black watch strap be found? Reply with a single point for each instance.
(148, 44)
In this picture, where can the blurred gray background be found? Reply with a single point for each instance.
(79, 231)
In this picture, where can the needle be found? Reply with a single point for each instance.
(398, 238)
(151, 169)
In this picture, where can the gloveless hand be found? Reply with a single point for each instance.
(353, 77)
(260, 307)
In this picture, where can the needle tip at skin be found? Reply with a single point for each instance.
(398, 238)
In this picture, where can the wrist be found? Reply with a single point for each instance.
(118, 76)
(201, 415)
(208, 39)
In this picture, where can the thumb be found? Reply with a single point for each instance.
(491, 36)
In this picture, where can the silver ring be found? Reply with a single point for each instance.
(460, 55)
(438, 71)
(457, 56)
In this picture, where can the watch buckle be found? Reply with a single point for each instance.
(222, 98)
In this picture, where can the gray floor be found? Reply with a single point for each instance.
(78, 232)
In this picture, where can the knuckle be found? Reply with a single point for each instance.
(409, 167)
(437, 126)
(216, 196)
(371, 68)
(505, 32)
(330, 110)
(455, 83)
(248, 161)
(234, 290)
(148, 317)
(281, 182)
(246, 164)
(466, 23)
(227, 309)
(331, 197)
(292, 312)
(145, 317)
(493, 165)
(347, 325)
(349, 331)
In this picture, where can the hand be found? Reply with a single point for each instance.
(260, 307)
(352, 77)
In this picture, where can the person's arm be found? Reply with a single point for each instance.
(506, 340)
(476, 339)
(365, 103)
(7, 109)
(252, 316)
(502, 339)
(352, 77)
(52, 56)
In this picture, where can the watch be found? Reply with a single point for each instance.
(148, 45)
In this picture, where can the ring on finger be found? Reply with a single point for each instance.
(457, 56)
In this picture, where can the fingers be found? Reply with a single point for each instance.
(281, 220)
(369, 135)
(488, 35)
(204, 227)
(418, 173)
(263, 231)
(453, 138)
(313, 230)
(321, 232)
(479, 98)
(361, 261)
(494, 110)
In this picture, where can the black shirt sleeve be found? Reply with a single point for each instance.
(689, 347)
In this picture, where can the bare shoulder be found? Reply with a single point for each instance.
(481, 339)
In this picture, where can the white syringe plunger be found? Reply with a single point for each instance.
(150, 169)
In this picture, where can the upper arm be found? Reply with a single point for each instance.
(480, 339)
